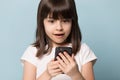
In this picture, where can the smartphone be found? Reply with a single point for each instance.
(62, 49)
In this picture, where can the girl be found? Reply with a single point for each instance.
(57, 25)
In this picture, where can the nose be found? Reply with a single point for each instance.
(59, 26)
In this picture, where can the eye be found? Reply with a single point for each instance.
(66, 20)
(51, 20)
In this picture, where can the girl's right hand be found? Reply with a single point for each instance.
(53, 68)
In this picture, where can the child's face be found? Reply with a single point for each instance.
(57, 29)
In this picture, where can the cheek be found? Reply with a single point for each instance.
(47, 30)
(68, 30)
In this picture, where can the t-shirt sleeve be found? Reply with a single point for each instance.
(87, 54)
(30, 56)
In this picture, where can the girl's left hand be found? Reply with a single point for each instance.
(68, 64)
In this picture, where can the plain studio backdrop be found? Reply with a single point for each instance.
(99, 21)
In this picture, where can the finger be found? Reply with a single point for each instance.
(61, 61)
(68, 57)
(54, 64)
(64, 58)
(61, 67)
(55, 72)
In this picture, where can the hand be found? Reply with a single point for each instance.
(53, 68)
(67, 64)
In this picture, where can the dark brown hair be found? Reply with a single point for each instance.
(64, 8)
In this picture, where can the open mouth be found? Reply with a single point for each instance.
(59, 34)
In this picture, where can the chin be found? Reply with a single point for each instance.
(60, 43)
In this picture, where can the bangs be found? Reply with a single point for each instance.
(59, 9)
(60, 14)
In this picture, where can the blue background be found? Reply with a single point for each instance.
(99, 22)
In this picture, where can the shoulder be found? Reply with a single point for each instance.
(30, 55)
(30, 51)
(31, 48)
(84, 47)
(86, 54)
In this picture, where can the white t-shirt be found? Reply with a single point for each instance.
(83, 56)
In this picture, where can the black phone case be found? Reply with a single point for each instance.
(62, 49)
